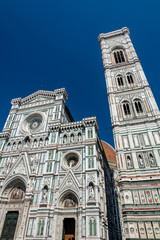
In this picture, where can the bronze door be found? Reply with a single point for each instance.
(9, 226)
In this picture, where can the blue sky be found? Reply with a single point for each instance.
(52, 44)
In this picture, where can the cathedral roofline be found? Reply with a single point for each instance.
(113, 33)
(85, 122)
(45, 93)
(5, 134)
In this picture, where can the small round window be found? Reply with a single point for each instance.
(71, 160)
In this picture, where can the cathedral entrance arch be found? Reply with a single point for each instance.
(15, 208)
(67, 217)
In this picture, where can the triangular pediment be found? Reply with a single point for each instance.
(37, 99)
(20, 167)
(69, 182)
(41, 95)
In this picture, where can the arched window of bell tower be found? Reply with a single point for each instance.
(130, 78)
(120, 81)
(138, 106)
(126, 109)
(119, 56)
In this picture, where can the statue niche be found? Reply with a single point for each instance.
(45, 194)
(91, 194)
(91, 191)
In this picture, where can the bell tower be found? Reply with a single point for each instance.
(136, 128)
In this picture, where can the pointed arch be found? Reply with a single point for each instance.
(130, 78)
(120, 80)
(69, 194)
(126, 108)
(13, 182)
(138, 106)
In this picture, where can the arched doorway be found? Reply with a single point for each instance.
(69, 203)
(67, 217)
(13, 201)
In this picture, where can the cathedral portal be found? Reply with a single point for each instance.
(10, 225)
(68, 229)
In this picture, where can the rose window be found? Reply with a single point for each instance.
(32, 122)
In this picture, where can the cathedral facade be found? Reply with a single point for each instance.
(53, 173)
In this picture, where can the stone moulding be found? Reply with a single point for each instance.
(51, 94)
(5, 134)
(92, 121)
(114, 33)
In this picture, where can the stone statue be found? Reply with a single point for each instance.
(72, 138)
(152, 161)
(34, 144)
(65, 139)
(40, 143)
(141, 161)
(91, 192)
(129, 162)
(34, 161)
(70, 164)
(14, 146)
(44, 195)
(79, 137)
(19, 145)
(26, 144)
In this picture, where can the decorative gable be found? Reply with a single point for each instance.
(41, 96)
(20, 167)
(69, 183)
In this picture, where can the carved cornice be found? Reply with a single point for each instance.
(119, 66)
(16, 100)
(118, 32)
(5, 134)
(144, 119)
(54, 127)
(50, 94)
(92, 121)
(126, 91)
